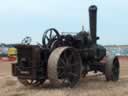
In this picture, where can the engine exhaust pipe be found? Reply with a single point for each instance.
(93, 22)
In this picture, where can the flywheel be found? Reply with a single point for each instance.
(64, 65)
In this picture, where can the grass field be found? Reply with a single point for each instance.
(92, 85)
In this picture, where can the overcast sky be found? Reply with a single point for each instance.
(20, 18)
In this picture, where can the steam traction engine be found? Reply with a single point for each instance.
(64, 58)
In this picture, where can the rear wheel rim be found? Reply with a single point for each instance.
(64, 65)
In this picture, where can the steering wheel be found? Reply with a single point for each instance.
(27, 40)
(49, 36)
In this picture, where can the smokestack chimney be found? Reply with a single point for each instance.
(93, 21)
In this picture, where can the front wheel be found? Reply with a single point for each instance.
(112, 69)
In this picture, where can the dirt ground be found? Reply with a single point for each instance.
(92, 85)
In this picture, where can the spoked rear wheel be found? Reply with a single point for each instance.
(64, 65)
(31, 83)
